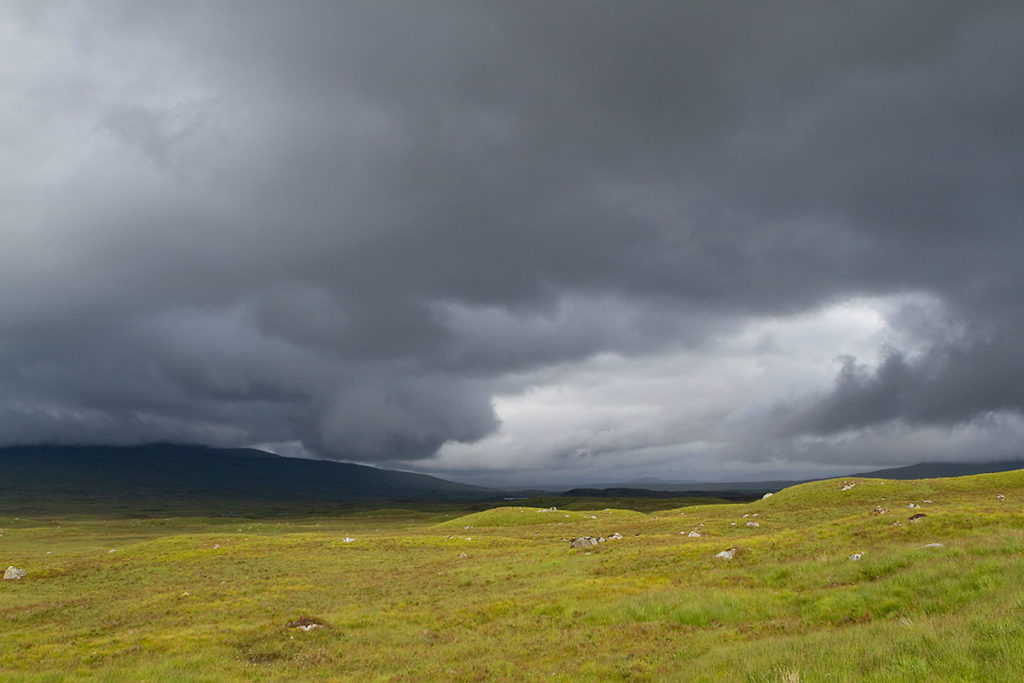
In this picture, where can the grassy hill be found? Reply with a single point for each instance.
(829, 581)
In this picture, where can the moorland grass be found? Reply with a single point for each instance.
(442, 592)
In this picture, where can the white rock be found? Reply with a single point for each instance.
(616, 536)
(752, 524)
(13, 573)
(693, 534)
(349, 539)
(856, 556)
(727, 554)
(767, 495)
(1000, 496)
(934, 545)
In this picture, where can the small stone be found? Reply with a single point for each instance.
(856, 556)
(349, 539)
(934, 545)
(752, 524)
(615, 537)
(693, 534)
(13, 574)
(727, 554)
(767, 495)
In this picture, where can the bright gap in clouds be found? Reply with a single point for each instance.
(688, 413)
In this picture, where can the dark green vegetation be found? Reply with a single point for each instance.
(453, 592)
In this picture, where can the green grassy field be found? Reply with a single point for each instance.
(441, 593)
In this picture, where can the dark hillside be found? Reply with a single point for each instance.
(163, 472)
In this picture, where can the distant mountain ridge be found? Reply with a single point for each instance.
(184, 472)
(747, 489)
(937, 470)
(167, 473)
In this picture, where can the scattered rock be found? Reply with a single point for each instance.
(926, 501)
(848, 485)
(914, 518)
(463, 556)
(692, 534)
(553, 509)
(583, 542)
(745, 516)
(913, 505)
(732, 523)
(857, 556)
(879, 510)
(753, 524)
(600, 539)
(305, 624)
(1000, 496)
(216, 545)
(112, 550)
(934, 545)
(615, 537)
(13, 574)
(349, 539)
(727, 554)
(767, 495)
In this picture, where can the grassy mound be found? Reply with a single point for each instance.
(527, 516)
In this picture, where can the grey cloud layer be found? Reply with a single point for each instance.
(348, 224)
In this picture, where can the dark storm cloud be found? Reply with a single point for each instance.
(350, 224)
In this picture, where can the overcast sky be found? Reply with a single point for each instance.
(517, 242)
